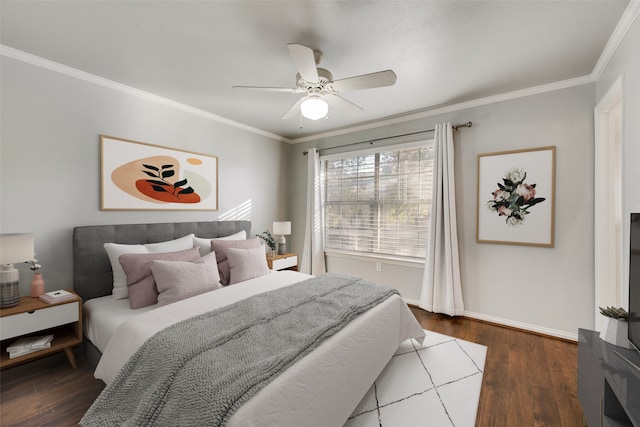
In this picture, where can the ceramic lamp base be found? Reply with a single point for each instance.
(282, 246)
(9, 286)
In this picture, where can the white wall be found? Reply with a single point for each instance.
(544, 289)
(50, 161)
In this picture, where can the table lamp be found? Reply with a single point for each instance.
(15, 247)
(282, 229)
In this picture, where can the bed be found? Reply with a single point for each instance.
(322, 388)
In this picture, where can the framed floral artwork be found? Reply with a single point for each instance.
(140, 176)
(516, 197)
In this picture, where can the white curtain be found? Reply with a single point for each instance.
(441, 287)
(312, 261)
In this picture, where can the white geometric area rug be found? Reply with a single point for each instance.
(434, 384)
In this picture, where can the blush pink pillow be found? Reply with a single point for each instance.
(177, 280)
(140, 283)
(220, 248)
(245, 264)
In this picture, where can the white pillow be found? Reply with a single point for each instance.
(114, 250)
(205, 244)
(245, 264)
(177, 280)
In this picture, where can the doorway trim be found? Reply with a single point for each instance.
(608, 266)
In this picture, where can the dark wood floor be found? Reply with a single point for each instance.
(529, 380)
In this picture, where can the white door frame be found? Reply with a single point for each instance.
(608, 266)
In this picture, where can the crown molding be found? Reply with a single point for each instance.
(19, 55)
(624, 24)
(550, 87)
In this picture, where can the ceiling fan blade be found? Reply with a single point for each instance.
(305, 61)
(294, 110)
(365, 81)
(339, 103)
(270, 89)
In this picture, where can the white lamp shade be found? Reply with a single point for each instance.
(16, 247)
(314, 108)
(282, 228)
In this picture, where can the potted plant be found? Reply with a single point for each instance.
(269, 241)
(617, 327)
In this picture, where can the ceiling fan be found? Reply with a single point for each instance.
(320, 90)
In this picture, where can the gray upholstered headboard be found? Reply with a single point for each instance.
(92, 275)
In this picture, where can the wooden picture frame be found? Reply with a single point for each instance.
(140, 176)
(516, 197)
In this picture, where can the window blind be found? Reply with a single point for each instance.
(379, 202)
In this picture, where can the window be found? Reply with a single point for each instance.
(379, 202)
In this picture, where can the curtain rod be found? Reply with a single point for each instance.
(371, 141)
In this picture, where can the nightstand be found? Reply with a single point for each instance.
(34, 317)
(283, 262)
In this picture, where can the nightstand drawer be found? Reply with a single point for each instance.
(50, 317)
(282, 263)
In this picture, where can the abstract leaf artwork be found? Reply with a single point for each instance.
(137, 175)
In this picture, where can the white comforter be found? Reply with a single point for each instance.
(320, 390)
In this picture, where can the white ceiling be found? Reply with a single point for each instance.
(443, 52)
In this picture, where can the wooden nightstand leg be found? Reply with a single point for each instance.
(72, 358)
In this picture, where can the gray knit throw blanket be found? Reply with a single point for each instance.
(198, 372)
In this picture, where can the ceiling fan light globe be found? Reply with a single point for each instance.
(314, 108)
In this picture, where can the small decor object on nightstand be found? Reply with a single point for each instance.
(57, 296)
(282, 229)
(37, 284)
(269, 241)
(29, 345)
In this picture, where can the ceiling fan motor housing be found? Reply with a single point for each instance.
(324, 77)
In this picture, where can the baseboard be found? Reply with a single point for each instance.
(524, 326)
(527, 327)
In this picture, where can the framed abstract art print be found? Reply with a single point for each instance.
(140, 176)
